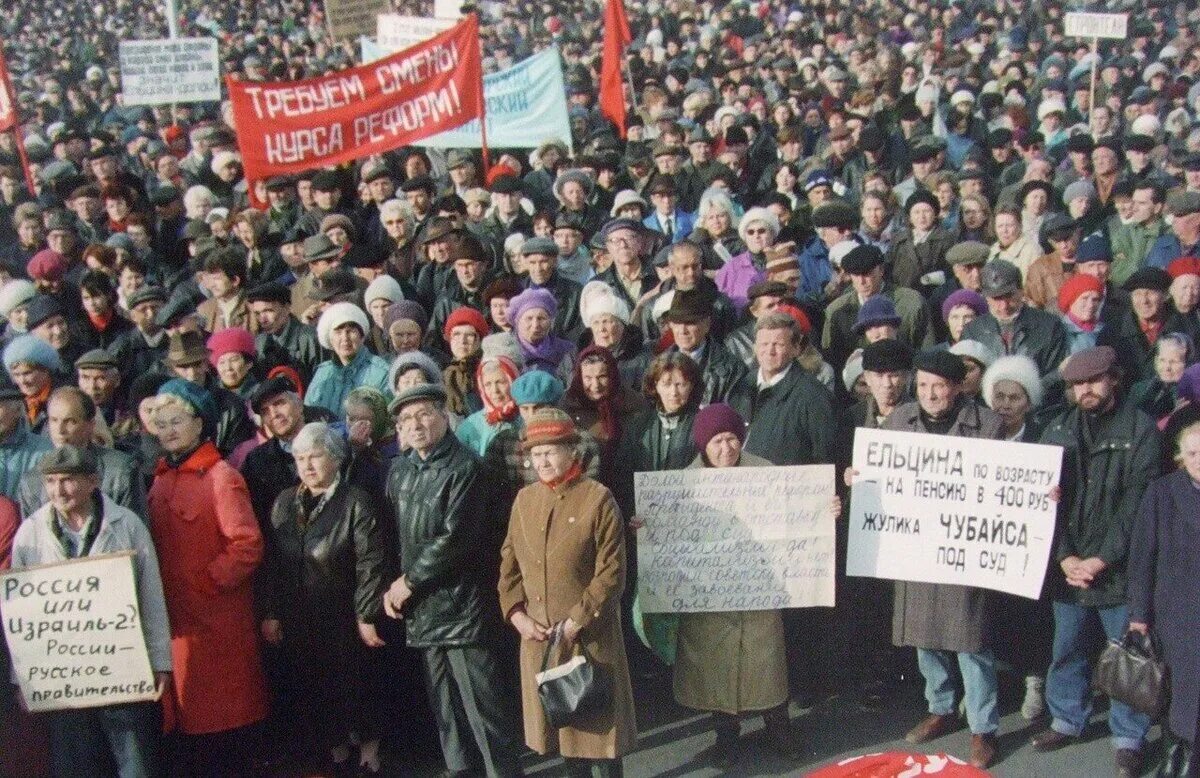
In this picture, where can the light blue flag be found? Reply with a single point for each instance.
(526, 104)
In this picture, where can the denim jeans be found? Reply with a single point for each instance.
(1069, 682)
(979, 686)
(90, 742)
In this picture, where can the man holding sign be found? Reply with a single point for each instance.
(77, 522)
(947, 623)
(1111, 453)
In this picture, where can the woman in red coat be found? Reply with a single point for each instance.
(208, 544)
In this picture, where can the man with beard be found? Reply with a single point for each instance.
(1110, 454)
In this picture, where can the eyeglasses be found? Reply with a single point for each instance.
(757, 231)
(618, 242)
(173, 423)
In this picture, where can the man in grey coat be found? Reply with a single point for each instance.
(71, 421)
(79, 521)
(948, 624)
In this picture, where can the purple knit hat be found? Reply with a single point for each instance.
(973, 300)
(714, 419)
(531, 298)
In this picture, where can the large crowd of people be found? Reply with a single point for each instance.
(372, 429)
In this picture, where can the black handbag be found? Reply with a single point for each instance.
(1130, 671)
(573, 689)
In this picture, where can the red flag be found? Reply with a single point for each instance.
(289, 127)
(616, 38)
(9, 120)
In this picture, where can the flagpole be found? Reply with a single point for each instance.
(487, 157)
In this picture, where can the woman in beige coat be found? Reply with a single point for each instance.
(732, 663)
(563, 564)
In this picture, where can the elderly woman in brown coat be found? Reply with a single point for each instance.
(732, 663)
(563, 565)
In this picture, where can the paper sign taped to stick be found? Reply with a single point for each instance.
(160, 72)
(394, 32)
(74, 631)
(351, 18)
(735, 539)
(949, 510)
(1089, 25)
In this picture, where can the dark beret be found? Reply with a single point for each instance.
(941, 363)
(270, 292)
(887, 356)
(1148, 278)
(835, 213)
(862, 260)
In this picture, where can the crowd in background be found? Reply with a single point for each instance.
(373, 429)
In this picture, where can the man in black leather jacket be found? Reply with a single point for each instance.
(446, 589)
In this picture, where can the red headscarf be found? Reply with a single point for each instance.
(497, 413)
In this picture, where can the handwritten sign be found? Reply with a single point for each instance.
(394, 32)
(74, 631)
(735, 539)
(949, 510)
(158, 72)
(1090, 25)
(351, 18)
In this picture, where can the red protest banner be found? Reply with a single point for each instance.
(10, 121)
(290, 127)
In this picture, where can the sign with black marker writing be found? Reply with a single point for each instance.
(735, 539)
(74, 631)
(949, 510)
(179, 70)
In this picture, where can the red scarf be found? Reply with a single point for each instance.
(507, 411)
(101, 322)
(1086, 326)
(573, 472)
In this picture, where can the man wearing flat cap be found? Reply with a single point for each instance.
(439, 493)
(1184, 238)
(507, 216)
(1012, 326)
(140, 350)
(865, 266)
(98, 377)
(1111, 452)
(79, 521)
(270, 308)
(629, 275)
(948, 624)
(540, 257)
(1136, 330)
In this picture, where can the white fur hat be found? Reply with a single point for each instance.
(597, 299)
(383, 288)
(759, 214)
(1017, 368)
(338, 314)
(14, 294)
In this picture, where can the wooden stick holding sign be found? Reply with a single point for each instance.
(74, 630)
(1095, 26)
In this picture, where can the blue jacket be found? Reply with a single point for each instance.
(333, 381)
(684, 223)
(815, 271)
(19, 452)
(1168, 248)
